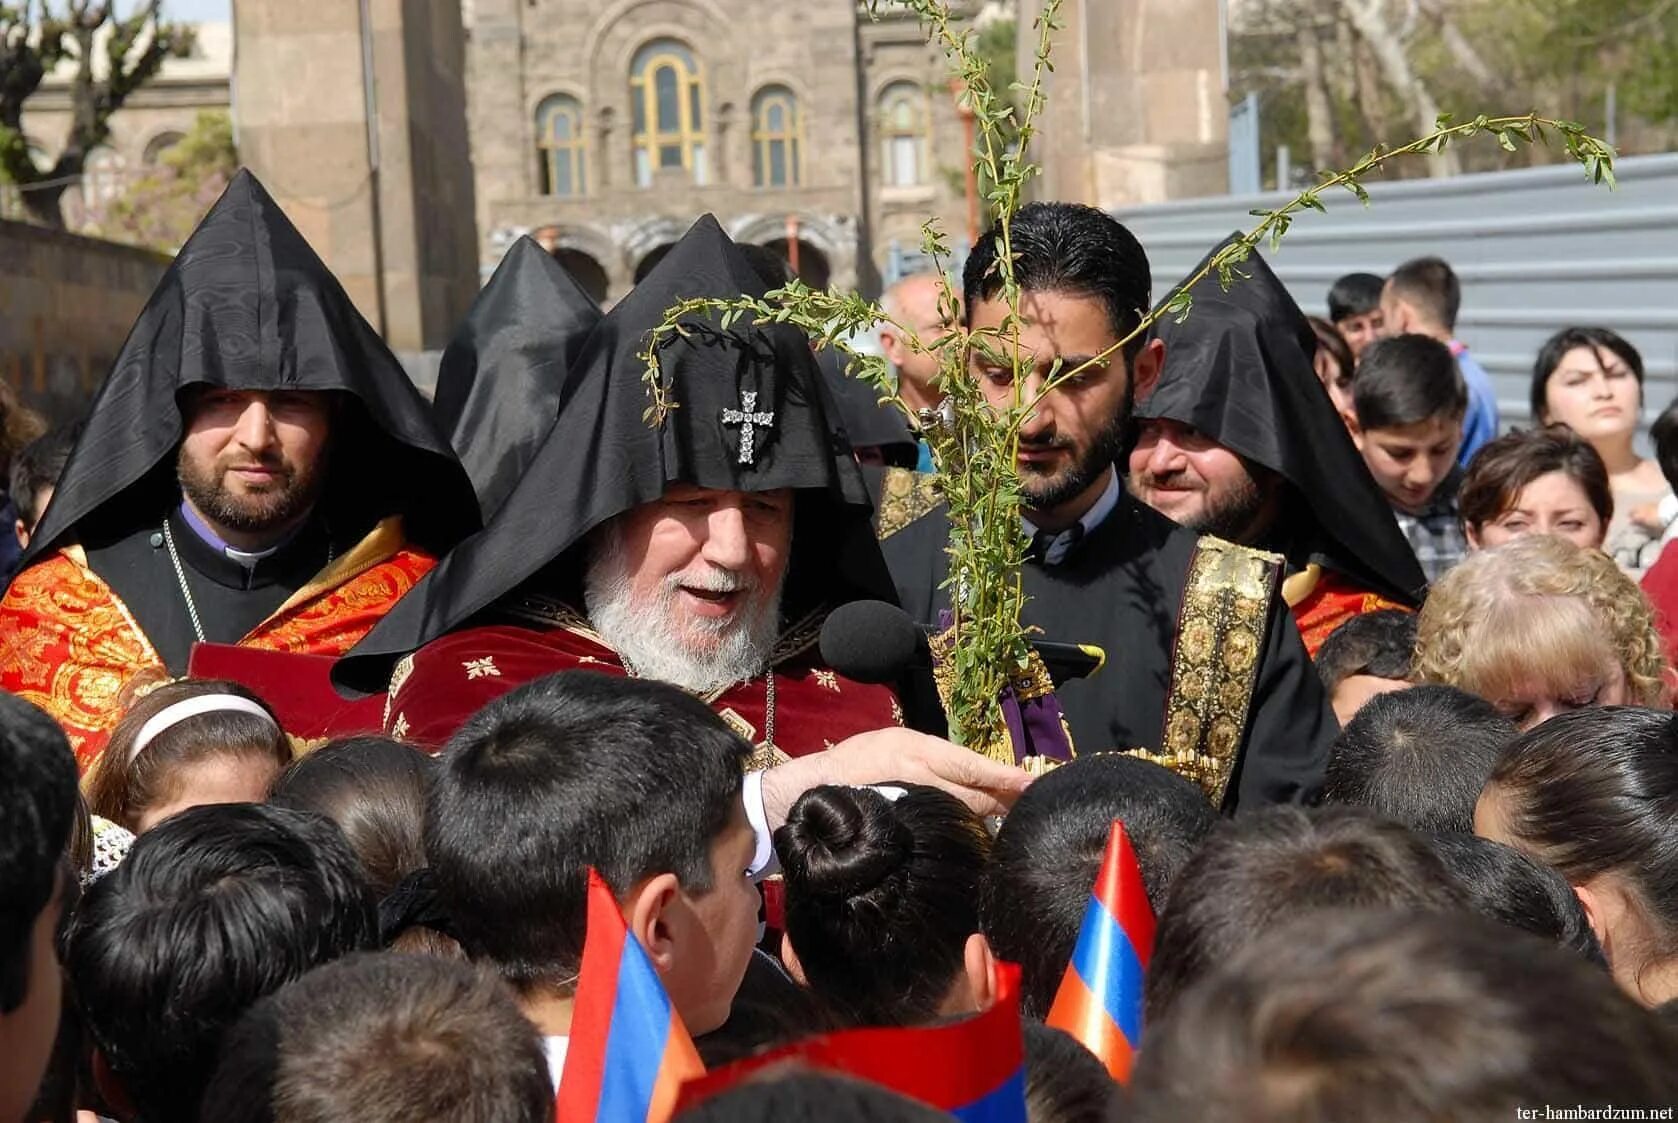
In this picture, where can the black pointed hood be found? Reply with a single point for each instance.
(1239, 369)
(246, 304)
(603, 457)
(502, 376)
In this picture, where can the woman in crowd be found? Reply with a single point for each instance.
(183, 745)
(882, 902)
(1595, 795)
(1591, 380)
(1538, 627)
(1543, 481)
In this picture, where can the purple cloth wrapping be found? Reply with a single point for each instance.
(1036, 726)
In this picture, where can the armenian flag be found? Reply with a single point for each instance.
(973, 1069)
(629, 1051)
(1100, 999)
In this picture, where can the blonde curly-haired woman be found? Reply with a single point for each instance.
(1539, 627)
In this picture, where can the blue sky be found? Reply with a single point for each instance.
(193, 11)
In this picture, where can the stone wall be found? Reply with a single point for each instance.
(66, 304)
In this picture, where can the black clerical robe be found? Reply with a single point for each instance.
(1121, 587)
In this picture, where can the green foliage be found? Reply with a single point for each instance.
(974, 441)
(160, 209)
(37, 35)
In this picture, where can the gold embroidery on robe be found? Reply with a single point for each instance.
(1030, 684)
(1220, 639)
(905, 495)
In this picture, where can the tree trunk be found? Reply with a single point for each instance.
(1468, 59)
(1371, 25)
(43, 201)
(1319, 106)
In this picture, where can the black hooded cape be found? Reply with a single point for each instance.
(246, 304)
(1239, 370)
(603, 456)
(503, 375)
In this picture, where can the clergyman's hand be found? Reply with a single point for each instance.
(988, 788)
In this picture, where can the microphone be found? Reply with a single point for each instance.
(875, 642)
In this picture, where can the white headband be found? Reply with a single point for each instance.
(177, 712)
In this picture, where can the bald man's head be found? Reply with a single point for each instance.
(913, 302)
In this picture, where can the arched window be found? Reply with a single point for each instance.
(776, 138)
(903, 135)
(560, 145)
(666, 96)
(158, 145)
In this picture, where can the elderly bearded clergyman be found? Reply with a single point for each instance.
(704, 552)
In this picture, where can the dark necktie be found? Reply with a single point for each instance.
(1038, 551)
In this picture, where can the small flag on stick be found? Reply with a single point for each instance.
(629, 1052)
(1100, 999)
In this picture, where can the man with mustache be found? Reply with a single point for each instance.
(256, 470)
(1239, 440)
(704, 550)
(1204, 672)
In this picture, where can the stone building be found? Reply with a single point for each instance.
(605, 129)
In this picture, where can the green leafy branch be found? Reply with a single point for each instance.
(974, 437)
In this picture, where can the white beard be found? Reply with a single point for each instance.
(644, 635)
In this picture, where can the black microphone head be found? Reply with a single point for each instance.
(870, 641)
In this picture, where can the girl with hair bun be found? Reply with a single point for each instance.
(882, 902)
(183, 745)
(1594, 795)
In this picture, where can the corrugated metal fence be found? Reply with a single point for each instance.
(1536, 250)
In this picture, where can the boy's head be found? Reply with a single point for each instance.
(1354, 306)
(1269, 866)
(384, 1038)
(1410, 400)
(1422, 296)
(1363, 1015)
(35, 472)
(631, 777)
(213, 909)
(1367, 655)
(37, 807)
(1419, 756)
(1046, 857)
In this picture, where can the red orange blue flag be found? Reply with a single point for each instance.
(629, 1052)
(973, 1069)
(1100, 999)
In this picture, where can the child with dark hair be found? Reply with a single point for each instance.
(1410, 400)
(633, 778)
(1045, 859)
(213, 909)
(1367, 655)
(1538, 481)
(1506, 885)
(770, 1009)
(34, 476)
(808, 1096)
(383, 1039)
(1264, 869)
(186, 744)
(37, 808)
(1419, 756)
(882, 902)
(1594, 795)
(374, 789)
(1350, 1015)
(1064, 1083)
(1354, 308)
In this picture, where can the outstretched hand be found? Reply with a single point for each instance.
(986, 787)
